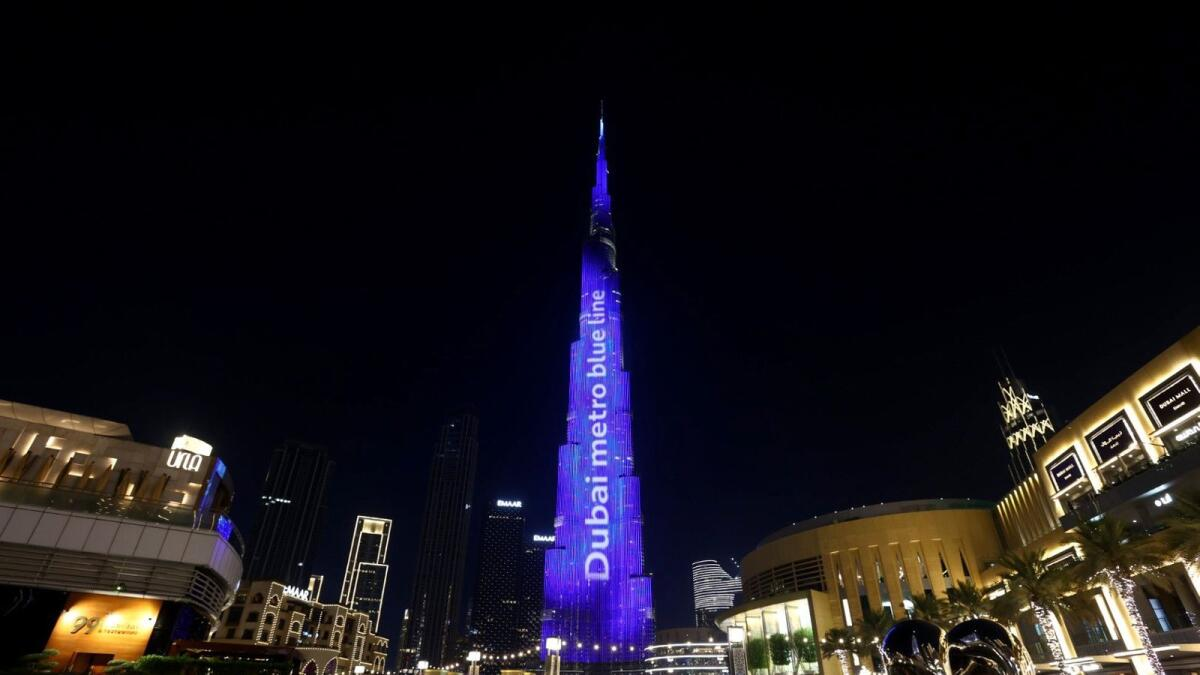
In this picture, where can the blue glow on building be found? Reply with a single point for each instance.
(597, 598)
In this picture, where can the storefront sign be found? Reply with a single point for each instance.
(1174, 400)
(1065, 470)
(1112, 438)
(113, 626)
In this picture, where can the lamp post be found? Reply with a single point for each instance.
(737, 649)
(553, 660)
(473, 659)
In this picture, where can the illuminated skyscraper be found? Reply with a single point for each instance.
(435, 608)
(293, 503)
(1026, 423)
(713, 590)
(533, 587)
(597, 596)
(366, 567)
(495, 611)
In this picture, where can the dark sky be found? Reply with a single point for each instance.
(339, 226)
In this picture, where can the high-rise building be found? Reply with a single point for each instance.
(293, 503)
(598, 599)
(366, 567)
(533, 588)
(713, 590)
(1026, 423)
(435, 608)
(496, 609)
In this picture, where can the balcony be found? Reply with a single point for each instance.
(81, 541)
(1178, 636)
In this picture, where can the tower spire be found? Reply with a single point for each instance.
(601, 228)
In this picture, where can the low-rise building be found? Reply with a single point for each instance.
(109, 548)
(1128, 456)
(694, 650)
(825, 572)
(334, 639)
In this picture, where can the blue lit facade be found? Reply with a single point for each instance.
(597, 598)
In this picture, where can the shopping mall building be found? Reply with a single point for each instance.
(109, 548)
(1129, 455)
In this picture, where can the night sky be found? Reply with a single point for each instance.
(339, 227)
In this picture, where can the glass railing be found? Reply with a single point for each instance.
(67, 499)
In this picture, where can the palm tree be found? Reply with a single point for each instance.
(931, 608)
(1031, 583)
(965, 601)
(1183, 529)
(839, 643)
(1006, 609)
(1114, 554)
(871, 629)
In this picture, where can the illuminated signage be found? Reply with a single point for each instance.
(508, 504)
(192, 445)
(1113, 438)
(179, 459)
(103, 624)
(295, 592)
(1186, 435)
(1174, 400)
(1065, 470)
(543, 538)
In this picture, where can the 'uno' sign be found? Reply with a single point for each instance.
(179, 459)
(188, 453)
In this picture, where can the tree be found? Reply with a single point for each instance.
(873, 627)
(1006, 609)
(931, 608)
(805, 644)
(1114, 554)
(756, 655)
(1031, 583)
(965, 601)
(781, 650)
(1182, 535)
(39, 662)
(839, 643)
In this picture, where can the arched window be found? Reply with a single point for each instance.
(258, 598)
(269, 619)
(295, 626)
(340, 620)
(274, 601)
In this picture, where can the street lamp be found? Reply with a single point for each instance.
(473, 658)
(737, 649)
(553, 661)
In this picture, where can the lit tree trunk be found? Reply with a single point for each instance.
(1047, 624)
(1125, 590)
(845, 661)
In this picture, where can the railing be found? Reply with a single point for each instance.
(1098, 648)
(1177, 636)
(82, 501)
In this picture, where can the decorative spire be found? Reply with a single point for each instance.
(601, 222)
(1026, 422)
(601, 187)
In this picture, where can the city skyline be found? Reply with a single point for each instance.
(810, 225)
